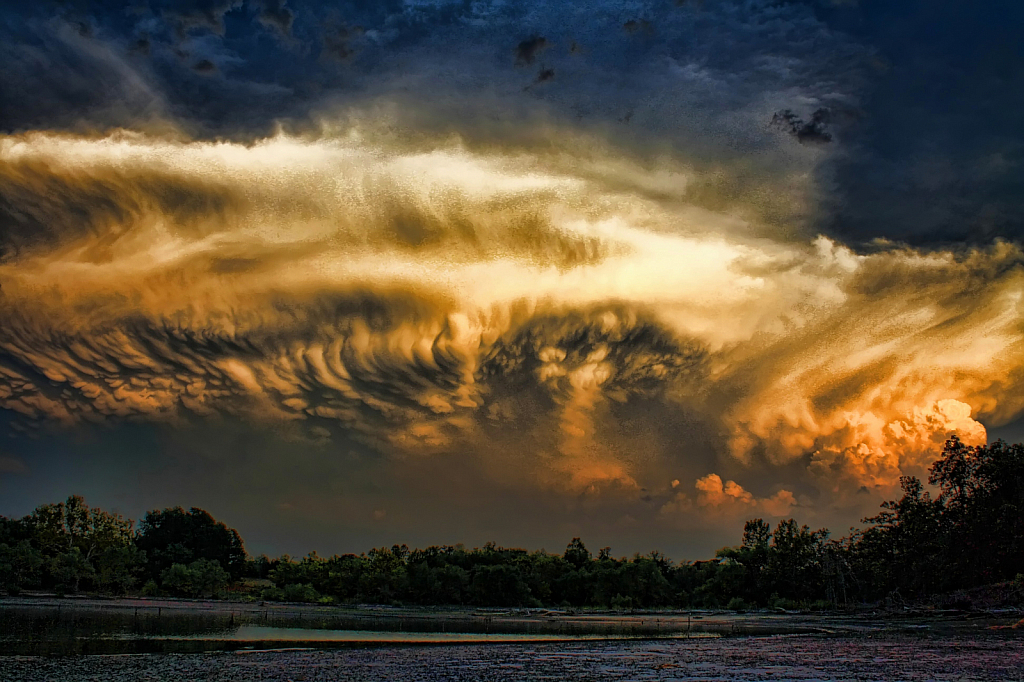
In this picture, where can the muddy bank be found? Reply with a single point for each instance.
(891, 656)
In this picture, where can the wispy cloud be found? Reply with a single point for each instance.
(461, 299)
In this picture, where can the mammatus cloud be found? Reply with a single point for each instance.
(542, 315)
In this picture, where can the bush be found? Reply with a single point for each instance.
(208, 577)
(177, 579)
(201, 577)
(301, 593)
(272, 594)
(295, 592)
(783, 603)
(736, 604)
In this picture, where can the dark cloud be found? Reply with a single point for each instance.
(74, 81)
(40, 209)
(142, 46)
(646, 357)
(12, 465)
(337, 42)
(936, 156)
(307, 364)
(276, 14)
(205, 66)
(638, 26)
(527, 50)
(195, 14)
(812, 131)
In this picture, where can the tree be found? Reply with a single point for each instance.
(499, 585)
(751, 580)
(72, 524)
(118, 569)
(545, 577)
(902, 546)
(794, 561)
(13, 531)
(20, 567)
(68, 569)
(177, 579)
(384, 577)
(756, 534)
(175, 536)
(645, 582)
(982, 494)
(208, 578)
(577, 554)
(203, 577)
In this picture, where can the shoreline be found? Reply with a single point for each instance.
(496, 619)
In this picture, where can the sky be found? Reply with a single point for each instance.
(352, 274)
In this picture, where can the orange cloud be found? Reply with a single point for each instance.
(727, 499)
(544, 314)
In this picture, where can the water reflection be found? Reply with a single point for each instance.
(260, 634)
(66, 628)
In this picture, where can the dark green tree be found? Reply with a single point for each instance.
(20, 567)
(118, 569)
(69, 569)
(577, 554)
(982, 495)
(175, 536)
(62, 527)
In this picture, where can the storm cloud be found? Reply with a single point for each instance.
(670, 287)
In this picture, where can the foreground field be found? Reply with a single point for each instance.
(781, 657)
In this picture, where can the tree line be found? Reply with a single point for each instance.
(969, 533)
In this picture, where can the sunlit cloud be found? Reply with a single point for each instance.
(485, 301)
(717, 499)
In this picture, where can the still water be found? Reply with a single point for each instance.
(221, 642)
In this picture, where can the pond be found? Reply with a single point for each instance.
(76, 627)
(138, 640)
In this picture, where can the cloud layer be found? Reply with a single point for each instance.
(490, 302)
(689, 262)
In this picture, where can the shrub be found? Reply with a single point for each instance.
(783, 603)
(272, 594)
(201, 577)
(736, 604)
(295, 592)
(301, 592)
